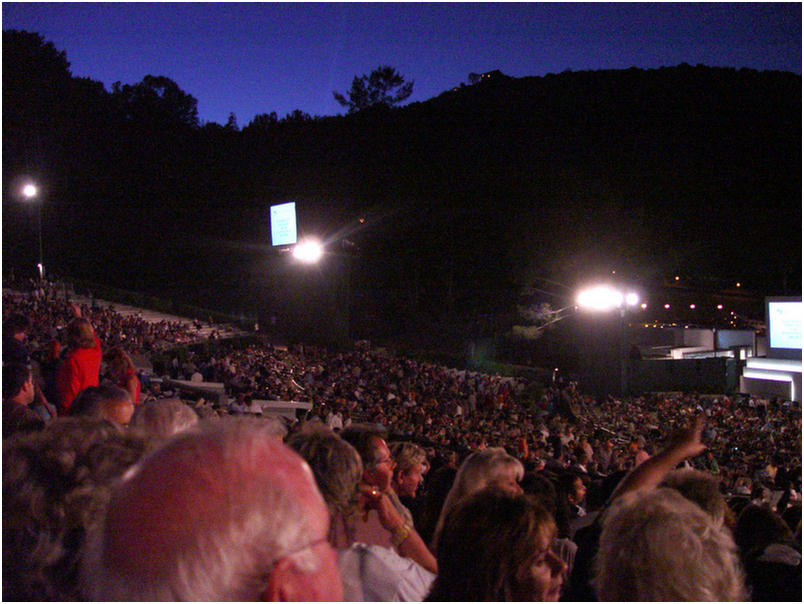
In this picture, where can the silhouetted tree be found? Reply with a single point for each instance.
(297, 115)
(156, 99)
(383, 86)
(263, 121)
(36, 85)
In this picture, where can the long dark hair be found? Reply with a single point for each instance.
(486, 540)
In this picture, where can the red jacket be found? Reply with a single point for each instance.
(80, 369)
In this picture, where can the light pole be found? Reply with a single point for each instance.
(30, 191)
(604, 298)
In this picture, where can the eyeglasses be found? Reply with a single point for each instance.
(388, 460)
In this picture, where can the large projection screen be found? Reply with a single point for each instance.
(784, 321)
(283, 224)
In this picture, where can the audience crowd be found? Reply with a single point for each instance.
(49, 313)
(427, 482)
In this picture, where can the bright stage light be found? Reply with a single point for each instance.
(600, 298)
(29, 191)
(308, 251)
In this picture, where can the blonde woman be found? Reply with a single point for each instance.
(492, 467)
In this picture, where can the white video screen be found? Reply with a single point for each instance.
(283, 224)
(784, 324)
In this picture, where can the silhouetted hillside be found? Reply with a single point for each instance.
(465, 197)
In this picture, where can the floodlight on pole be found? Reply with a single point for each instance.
(30, 191)
(308, 251)
(600, 298)
(603, 298)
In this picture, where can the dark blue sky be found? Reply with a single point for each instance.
(251, 58)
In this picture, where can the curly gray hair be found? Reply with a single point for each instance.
(56, 487)
(657, 545)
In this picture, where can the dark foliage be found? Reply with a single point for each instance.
(463, 198)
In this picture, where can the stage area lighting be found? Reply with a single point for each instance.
(309, 251)
(600, 298)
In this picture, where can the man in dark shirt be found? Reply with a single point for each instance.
(16, 351)
(15, 331)
(18, 394)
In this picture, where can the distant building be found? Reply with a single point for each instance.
(491, 76)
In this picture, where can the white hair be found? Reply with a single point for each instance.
(231, 500)
(657, 545)
(163, 417)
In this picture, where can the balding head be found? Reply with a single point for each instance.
(163, 418)
(106, 401)
(224, 511)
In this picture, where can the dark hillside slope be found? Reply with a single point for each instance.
(465, 197)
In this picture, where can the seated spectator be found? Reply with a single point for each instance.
(637, 450)
(80, 368)
(792, 516)
(103, 402)
(18, 394)
(121, 372)
(570, 495)
(438, 487)
(704, 489)
(648, 534)
(378, 467)
(658, 545)
(543, 489)
(368, 572)
(225, 512)
(15, 333)
(163, 418)
(495, 546)
(56, 485)
(16, 351)
(410, 465)
(484, 468)
(767, 549)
